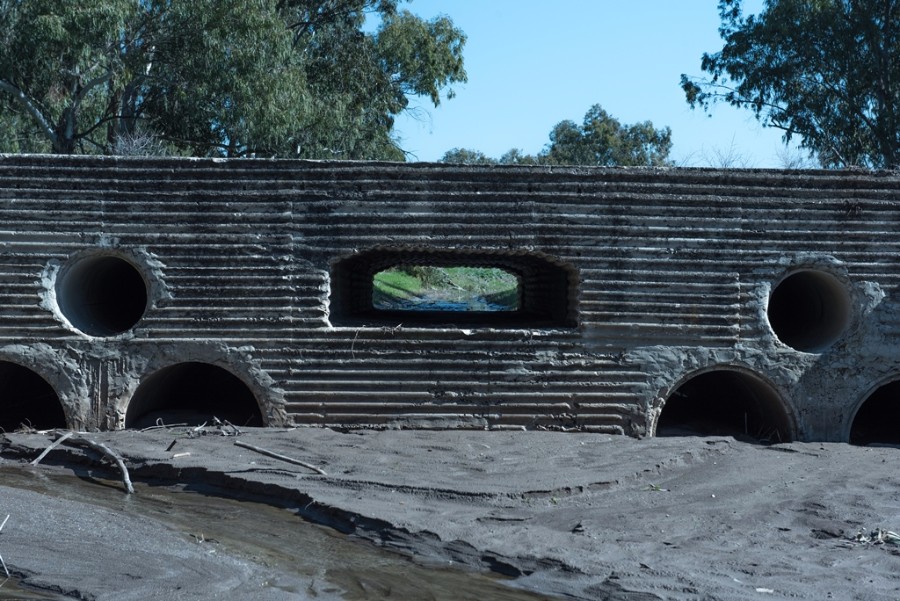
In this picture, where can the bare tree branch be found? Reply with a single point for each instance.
(33, 110)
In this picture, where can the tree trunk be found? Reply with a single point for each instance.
(64, 139)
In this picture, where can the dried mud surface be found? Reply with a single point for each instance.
(573, 516)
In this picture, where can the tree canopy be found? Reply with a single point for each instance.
(826, 71)
(466, 156)
(600, 140)
(296, 78)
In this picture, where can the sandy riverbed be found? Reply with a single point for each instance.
(579, 516)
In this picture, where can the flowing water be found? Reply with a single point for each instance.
(272, 536)
(438, 304)
(11, 591)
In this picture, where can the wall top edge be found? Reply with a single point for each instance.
(249, 165)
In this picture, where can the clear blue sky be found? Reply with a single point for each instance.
(534, 63)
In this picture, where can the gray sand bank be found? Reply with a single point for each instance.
(579, 516)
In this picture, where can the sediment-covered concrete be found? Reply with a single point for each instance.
(635, 283)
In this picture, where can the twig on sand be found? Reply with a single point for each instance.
(52, 446)
(3, 563)
(275, 455)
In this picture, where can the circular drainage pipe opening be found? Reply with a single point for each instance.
(809, 310)
(102, 296)
(192, 393)
(725, 403)
(26, 399)
(876, 420)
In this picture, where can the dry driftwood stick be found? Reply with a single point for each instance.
(3, 563)
(52, 446)
(162, 425)
(109, 453)
(275, 455)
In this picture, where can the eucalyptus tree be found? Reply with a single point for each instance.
(603, 140)
(298, 78)
(465, 156)
(56, 63)
(599, 140)
(826, 71)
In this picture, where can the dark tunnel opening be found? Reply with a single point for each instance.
(27, 400)
(102, 296)
(876, 421)
(193, 393)
(809, 310)
(725, 403)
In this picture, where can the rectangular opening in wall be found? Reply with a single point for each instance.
(450, 288)
(428, 287)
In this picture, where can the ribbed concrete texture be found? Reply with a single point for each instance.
(754, 303)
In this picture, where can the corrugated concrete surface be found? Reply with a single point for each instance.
(634, 282)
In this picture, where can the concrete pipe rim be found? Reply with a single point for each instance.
(809, 310)
(102, 294)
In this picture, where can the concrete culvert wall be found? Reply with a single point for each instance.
(629, 278)
(809, 310)
(102, 295)
(193, 393)
(878, 418)
(725, 403)
(27, 399)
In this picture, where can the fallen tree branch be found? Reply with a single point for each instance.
(69, 437)
(279, 456)
(108, 453)
(160, 424)
(3, 563)
(52, 446)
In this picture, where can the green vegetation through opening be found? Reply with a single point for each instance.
(433, 288)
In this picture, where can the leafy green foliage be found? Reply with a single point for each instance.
(391, 285)
(827, 71)
(56, 60)
(514, 156)
(426, 56)
(464, 156)
(433, 288)
(601, 140)
(220, 76)
(297, 78)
